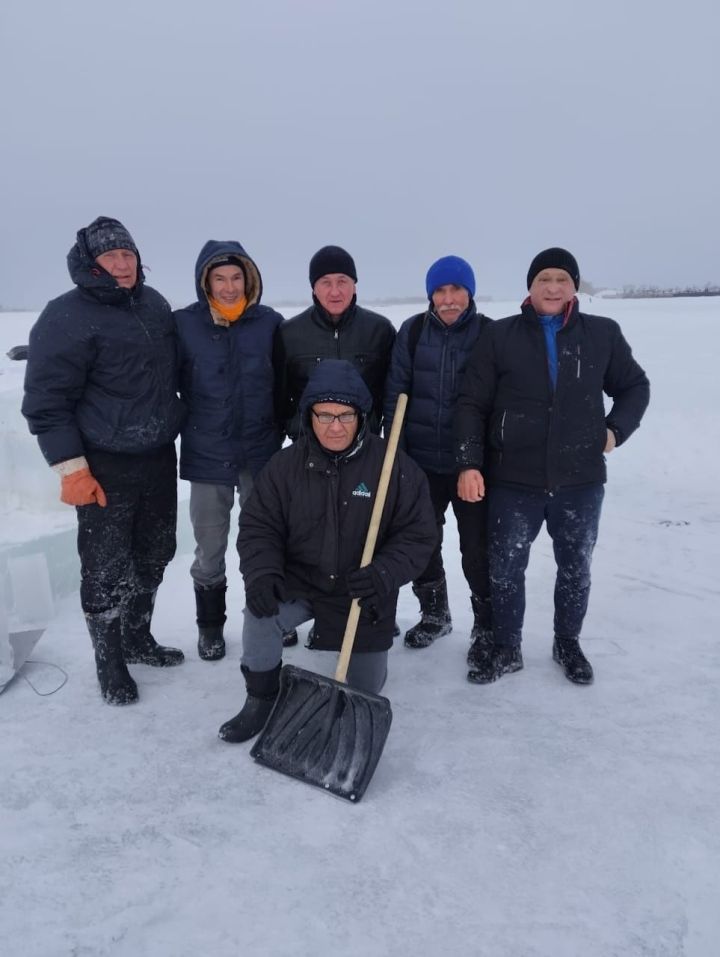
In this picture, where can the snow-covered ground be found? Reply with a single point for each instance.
(530, 818)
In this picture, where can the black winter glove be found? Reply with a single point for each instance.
(263, 595)
(367, 586)
(364, 583)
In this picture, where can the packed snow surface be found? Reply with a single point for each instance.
(529, 818)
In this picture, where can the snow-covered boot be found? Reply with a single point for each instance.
(138, 645)
(496, 661)
(262, 690)
(568, 654)
(481, 635)
(210, 607)
(116, 683)
(435, 618)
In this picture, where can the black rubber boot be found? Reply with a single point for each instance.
(262, 689)
(138, 645)
(116, 683)
(210, 606)
(435, 618)
(497, 660)
(481, 635)
(568, 654)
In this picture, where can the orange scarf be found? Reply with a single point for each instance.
(229, 313)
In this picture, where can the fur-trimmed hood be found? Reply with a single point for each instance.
(218, 249)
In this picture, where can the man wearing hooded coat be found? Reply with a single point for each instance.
(101, 397)
(227, 382)
(302, 533)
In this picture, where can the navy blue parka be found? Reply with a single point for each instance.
(227, 379)
(102, 367)
(431, 377)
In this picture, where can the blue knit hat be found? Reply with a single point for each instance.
(450, 270)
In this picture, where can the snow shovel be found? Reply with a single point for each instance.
(320, 730)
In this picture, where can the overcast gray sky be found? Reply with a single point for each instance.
(401, 129)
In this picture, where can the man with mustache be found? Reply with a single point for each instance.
(428, 362)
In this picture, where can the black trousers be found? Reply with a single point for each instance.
(471, 520)
(127, 545)
(572, 516)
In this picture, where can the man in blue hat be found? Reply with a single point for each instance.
(428, 363)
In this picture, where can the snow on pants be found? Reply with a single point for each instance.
(471, 520)
(210, 508)
(263, 647)
(126, 546)
(515, 517)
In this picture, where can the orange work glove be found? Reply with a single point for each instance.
(81, 488)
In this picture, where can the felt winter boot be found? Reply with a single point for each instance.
(138, 645)
(568, 654)
(210, 607)
(496, 661)
(116, 684)
(481, 635)
(435, 618)
(262, 689)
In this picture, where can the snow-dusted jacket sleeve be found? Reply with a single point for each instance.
(400, 374)
(475, 403)
(627, 385)
(55, 379)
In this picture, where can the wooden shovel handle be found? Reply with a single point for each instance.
(369, 549)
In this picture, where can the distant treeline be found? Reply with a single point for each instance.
(652, 292)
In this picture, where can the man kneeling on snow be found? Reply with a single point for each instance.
(302, 533)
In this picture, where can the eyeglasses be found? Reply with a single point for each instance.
(327, 418)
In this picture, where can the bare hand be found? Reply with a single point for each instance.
(611, 441)
(471, 486)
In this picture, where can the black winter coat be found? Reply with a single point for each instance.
(538, 436)
(227, 380)
(432, 380)
(307, 518)
(363, 337)
(102, 367)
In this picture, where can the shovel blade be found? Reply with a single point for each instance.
(324, 732)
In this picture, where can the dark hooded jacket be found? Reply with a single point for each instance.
(362, 337)
(227, 379)
(102, 367)
(308, 516)
(428, 363)
(537, 435)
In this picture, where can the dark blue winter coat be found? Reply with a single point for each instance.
(102, 367)
(227, 379)
(432, 380)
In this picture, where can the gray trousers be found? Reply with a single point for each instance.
(210, 508)
(262, 646)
